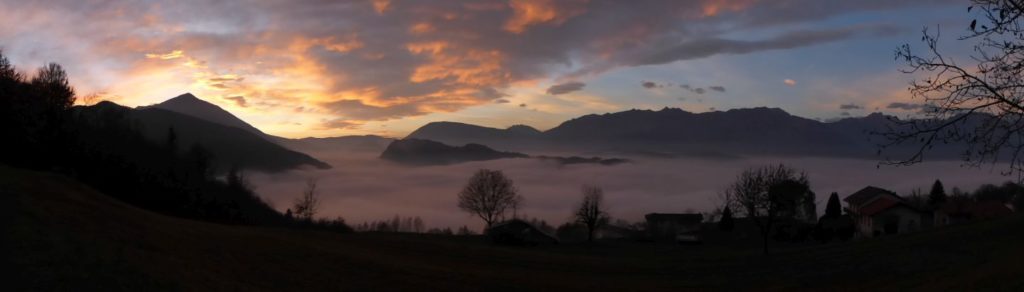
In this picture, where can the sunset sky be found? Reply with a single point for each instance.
(328, 68)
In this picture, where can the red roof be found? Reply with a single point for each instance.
(866, 194)
(879, 205)
(990, 209)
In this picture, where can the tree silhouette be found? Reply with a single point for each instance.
(7, 71)
(726, 222)
(938, 194)
(978, 103)
(488, 195)
(52, 83)
(767, 194)
(591, 212)
(307, 205)
(834, 208)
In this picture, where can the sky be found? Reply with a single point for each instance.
(387, 67)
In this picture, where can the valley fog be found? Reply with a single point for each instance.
(360, 187)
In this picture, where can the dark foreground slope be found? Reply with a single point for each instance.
(230, 146)
(58, 234)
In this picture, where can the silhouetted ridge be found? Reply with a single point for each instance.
(758, 131)
(191, 105)
(426, 152)
(230, 146)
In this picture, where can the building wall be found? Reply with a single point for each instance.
(905, 220)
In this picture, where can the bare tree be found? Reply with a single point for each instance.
(591, 212)
(308, 204)
(977, 103)
(766, 194)
(488, 195)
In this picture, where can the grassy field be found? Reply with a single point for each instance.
(60, 235)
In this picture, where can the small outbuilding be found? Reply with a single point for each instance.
(670, 226)
(518, 232)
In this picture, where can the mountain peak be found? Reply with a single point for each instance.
(187, 95)
(189, 104)
(523, 129)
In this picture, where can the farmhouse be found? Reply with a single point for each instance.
(960, 211)
(664, 226)
(518, 232)
(878, 211)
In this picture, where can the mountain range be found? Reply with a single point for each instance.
(427, 152)
(675, 132)
(668, 132)
(229, 145)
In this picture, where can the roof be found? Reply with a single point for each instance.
(518, 224)
(880, 205)
(692, 218)
(990, 209)
(866, 194)
(983, 209)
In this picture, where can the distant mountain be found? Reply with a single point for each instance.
(459, 134)
(365, 143)
(426, 152)
(582, 160)
(229, 145)
(193, 106)
(675, 132)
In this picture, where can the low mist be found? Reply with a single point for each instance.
(362, 187)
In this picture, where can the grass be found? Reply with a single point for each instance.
(60, 235)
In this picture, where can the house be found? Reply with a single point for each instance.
(960, 211)
(518, 232)
(668, 226)
(878, 211)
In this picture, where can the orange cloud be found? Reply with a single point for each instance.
(168, 56)
(381, 5)
(526, 13)
(713, 7)
(421, 28)
(467, 66)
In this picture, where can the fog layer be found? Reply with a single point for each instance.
(362, 187)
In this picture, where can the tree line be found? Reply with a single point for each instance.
(103, 147)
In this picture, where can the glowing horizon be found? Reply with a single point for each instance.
(388, 67)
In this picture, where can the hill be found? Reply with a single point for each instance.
(191, 105)
(671, 132)
(426, 152)
(60, 235)
(460, 133)
(363, 143)
(229, 145)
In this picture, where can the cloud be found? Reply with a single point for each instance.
(649, 85)
(238, 99)
(354, 109)
(501, 100)
(717, 88)
(534, 12)
(397, 59)
(565, 88)
(168, 56)
(522, 105)
(699, 90)
(904, 106)
(850, 107)
(845, 114)
(340, 124)
(789, 82)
